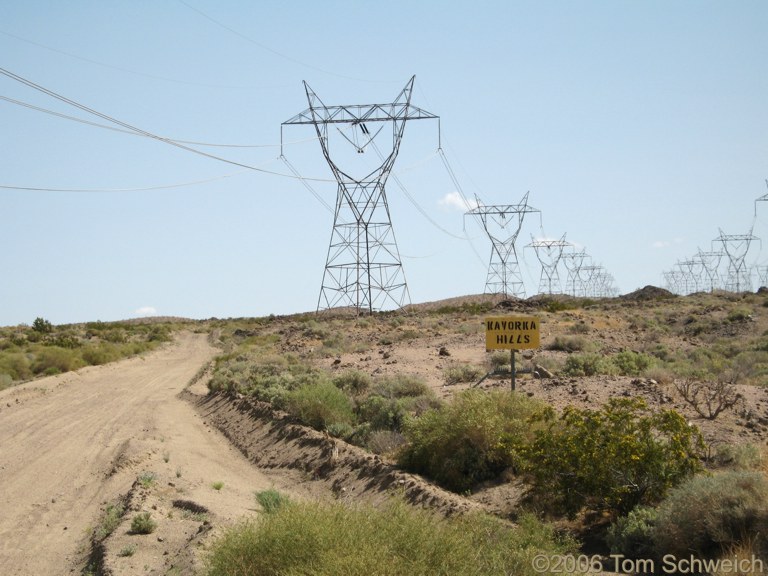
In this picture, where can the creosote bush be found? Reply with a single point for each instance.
(613, 459)
(471, 439)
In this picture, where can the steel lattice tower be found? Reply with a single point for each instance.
(736, 247)
(573, 262)
(711, 263)
(363, 267)
(504, 275)
(549, 253)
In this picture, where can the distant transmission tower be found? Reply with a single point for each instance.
(711, 263)
(736, 247)
(573, 263)
(503, 224)
(763, 198)
(549, 254)
(363, 267)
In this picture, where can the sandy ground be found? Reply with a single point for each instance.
(76, 442)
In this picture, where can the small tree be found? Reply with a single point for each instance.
(42, 326)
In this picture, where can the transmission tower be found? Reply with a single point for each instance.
(549, 254)
(573, 262)
(736, 247)
(763, 198)
(363, 267)
(691, 270)
(710, 261)
(504, 275)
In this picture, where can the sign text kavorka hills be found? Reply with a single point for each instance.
(511, 332)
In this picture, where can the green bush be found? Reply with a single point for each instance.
(16, 365)
(271, 500)
(586, 364)
(143, 523)
(394, 539)
(459, 373)
(42, 326)
(353, 381)
(614, 458)
(473, 438)
(111, 520)
(569, 343)
(632, 535)
(708, 514)
(101, 354)
(630, 363)
(52, 360)
(399, 386)
(319, 405)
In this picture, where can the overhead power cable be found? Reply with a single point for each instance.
(119, 68)
(411, 199)
(127, 126)
(133, 133)
(267, 48)
(144, 189)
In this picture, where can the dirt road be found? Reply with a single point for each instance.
(72, 443)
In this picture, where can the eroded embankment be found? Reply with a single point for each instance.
(272, 440)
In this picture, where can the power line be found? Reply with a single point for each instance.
(119, 68)
(140, 131)
(160, 187)
(177, 140)
(267, 48)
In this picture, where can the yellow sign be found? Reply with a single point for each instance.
(511, 332)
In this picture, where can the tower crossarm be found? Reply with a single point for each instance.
(360, 113)
(400, 109)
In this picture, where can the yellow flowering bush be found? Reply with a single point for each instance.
(610, 459)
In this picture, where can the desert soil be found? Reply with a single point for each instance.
(74, 443)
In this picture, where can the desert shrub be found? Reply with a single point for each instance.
(473, 438)
(708, 514)
(342, 430)
(458, 373)
(569, 344)
(660, 374)
(739, 315)
(5, 380)
(579, 327)
(394, 539)
(271, 500)
(16, 365)
(587, 364)
(53, 360)
(630, 363)
(614, 458)
(632, 535)
(269, 378)
(320, 404)
(101, 354)
(399, 386)
(384, 441)
(353, 381)
(383, 413)
(143, 523)
(739, 456)
(110, 521)
(499, 359)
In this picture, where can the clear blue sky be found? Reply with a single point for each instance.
(639, 128)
